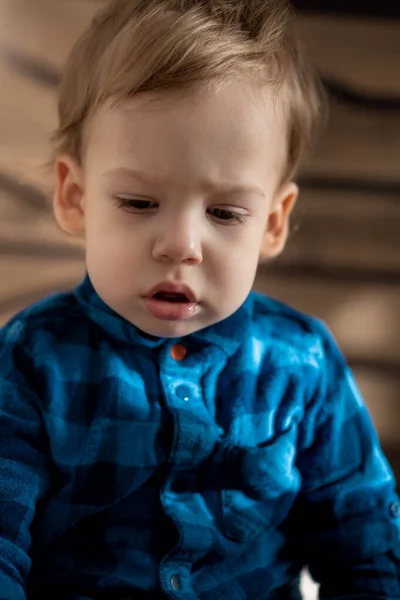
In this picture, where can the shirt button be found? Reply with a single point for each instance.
(183, 392)
(178, 352)
(395, 510)
(176, 583)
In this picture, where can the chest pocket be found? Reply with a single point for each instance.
(267, 487)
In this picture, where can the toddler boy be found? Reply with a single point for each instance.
(164, 431)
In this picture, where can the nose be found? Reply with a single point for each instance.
(178, 241)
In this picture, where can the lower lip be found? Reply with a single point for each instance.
(171, 311)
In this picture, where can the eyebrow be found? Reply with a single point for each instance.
(148, 178)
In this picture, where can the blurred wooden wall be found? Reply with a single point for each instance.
(343, 259)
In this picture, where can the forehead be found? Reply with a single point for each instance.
(230, 126)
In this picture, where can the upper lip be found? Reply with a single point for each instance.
(173, 288)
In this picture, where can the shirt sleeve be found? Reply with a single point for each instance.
(348, 513)
(23, 473)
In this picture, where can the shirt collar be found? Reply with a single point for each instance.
(228, 334)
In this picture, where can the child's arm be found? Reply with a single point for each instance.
(23, 472)
(348, 510)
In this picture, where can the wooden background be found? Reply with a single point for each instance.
(343, 259)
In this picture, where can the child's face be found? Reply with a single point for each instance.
(181, 189)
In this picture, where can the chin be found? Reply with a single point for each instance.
(171, 329)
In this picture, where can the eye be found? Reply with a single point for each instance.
(135, 204)
(228, 217)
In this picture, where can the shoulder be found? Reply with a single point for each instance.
(53, 314)
(291, 334)
(37, 331)
(306, 348)
(301, 352)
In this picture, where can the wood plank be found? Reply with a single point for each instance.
(381, 395)
(358, 144)
(23, 227)
(27, 119)
(362, 53)
(350, 230)
(26, 281)
(45, 29)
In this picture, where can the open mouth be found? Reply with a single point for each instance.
(171, 297)
(172, 302)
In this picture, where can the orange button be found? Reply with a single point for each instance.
(178, 352)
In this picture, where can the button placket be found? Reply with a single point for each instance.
(184, 392)
(178, 352)
(395, 510)
(176, 583)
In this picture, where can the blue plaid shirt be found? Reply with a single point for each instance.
(126, 473)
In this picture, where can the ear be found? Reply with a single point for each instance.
(68, 199)
(277, 230)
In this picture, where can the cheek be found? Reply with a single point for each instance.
(245, 268)
(237, 264)
(111, 240)
(245, 249)
(104, 221)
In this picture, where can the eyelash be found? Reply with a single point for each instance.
(125, 203)
(145, 205)
(232, 216)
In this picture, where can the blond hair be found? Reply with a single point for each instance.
(136, 46)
